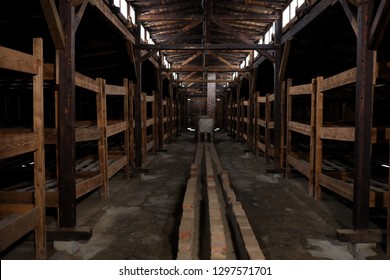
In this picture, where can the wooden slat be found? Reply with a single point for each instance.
(17, 144)
(341, 79)
(86, 83)
(300, 165)
(115, 90)
(300, 90)
(149, 122)
(337, 133)
(116, 164)
(18, 61)
(115, 127)
(300, 127)
(85, 186)
(16, 226)
(87, 134)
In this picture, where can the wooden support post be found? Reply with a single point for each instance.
(318, 149)
(155, 121)
(289, 134)
(256, 122)
(127, 131)
(170, 111)
(101, 102)
(364, 91)
(312, 160)
(144, 117)
(160, 114)
(250, 113)
(238, 123)
(267, 135)
(39, 154)
(131, 124)
(137, 102)
(388, 216)
(66, 121)
(278, 99)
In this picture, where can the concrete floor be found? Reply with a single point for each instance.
(142, 216)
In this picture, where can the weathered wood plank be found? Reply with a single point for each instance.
(86, 83)
(15, 226)
(18, 61)
(17, 144)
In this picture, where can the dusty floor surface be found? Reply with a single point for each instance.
(142, 216)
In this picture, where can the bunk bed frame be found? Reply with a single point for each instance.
(338, 180)
(302, 161)
(20, 218)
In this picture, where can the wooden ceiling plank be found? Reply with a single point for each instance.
(54, 23)
(379, 24)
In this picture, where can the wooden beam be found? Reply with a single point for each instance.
(54, 23)
(363, 120)
(283, 65)
(379, 25)
(207, 20)
(66, 121)
(80, 13)
(350, 16)
(219, 57)
(106, 11)
(166, 18)
(302, 23)
(201, 80)
(138, 102)
(188, 60)
(206, 69)
(220, 47)
(278, 100)
(173, 38)
(242, 37)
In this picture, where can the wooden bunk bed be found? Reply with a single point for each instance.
(149, 125)
(118, 158)
(264, 124)
(301, 120)
(245, 119)
(18, 219)
(332, 173)
(93, 171)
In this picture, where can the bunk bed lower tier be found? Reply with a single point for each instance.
(88, 179)
(336, 172)
(16, 220)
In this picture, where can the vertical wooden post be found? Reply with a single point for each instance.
(318, 150)
(160, 114)
(127, 131)
(256, 122)
(39, 154)
(155, 121)
(131, 125)
(144, 131)
(267, 135)
(313, 117)
(363, 118)
(250, 113)
(66, 121)
(278, 98)
(101, 102)
(137, 101)
(288, 134)
(238, 123)
(388, 214)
